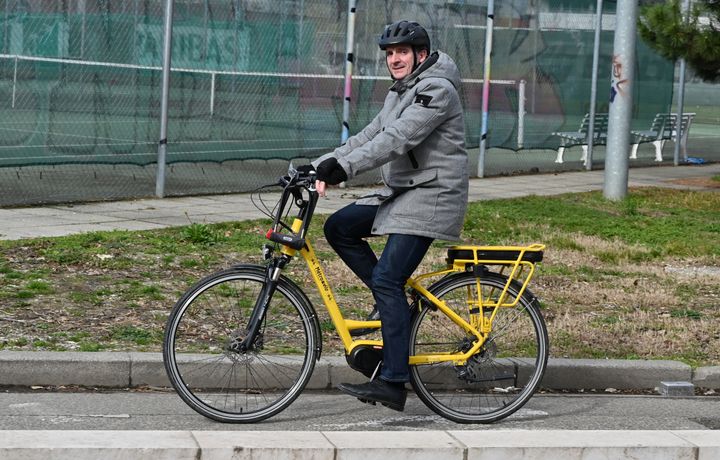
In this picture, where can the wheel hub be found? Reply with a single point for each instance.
(235, 343)
(471, 371)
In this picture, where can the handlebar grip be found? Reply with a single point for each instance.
(294, 242)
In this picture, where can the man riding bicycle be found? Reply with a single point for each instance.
(418, 139)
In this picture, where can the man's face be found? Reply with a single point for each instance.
(400, 60)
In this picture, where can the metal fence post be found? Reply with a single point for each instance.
(681, 98)
(83, 10)
(349, 59)
(167, 58)
(14, 91)
(621, 100)
(593, 89)
(486, 87)
(212, 93)
(521, 114)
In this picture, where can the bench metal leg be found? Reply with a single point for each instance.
(633, 152)
(658, 149)
(559, 158)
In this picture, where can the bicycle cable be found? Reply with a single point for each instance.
(256, 196)
(257, 201)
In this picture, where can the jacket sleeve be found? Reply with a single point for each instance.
(430, 107)
(353, 142)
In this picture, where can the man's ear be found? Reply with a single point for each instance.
(422, 55)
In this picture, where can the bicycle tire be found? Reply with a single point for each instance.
(502, 376)
(229, 385)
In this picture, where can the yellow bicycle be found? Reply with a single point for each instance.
(241, 344)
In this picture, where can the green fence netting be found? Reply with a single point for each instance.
(80, 81)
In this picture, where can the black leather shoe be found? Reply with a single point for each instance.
(374, 316)
(388, 394)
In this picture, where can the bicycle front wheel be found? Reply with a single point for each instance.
(506, 371)
(208, 368)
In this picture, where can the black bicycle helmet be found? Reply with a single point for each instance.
(405, 33)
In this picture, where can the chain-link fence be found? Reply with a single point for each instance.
(256, 83)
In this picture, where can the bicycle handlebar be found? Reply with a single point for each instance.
(293, 185)
(298, 177)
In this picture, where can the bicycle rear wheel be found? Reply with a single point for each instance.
(201, 348)
(502, 376)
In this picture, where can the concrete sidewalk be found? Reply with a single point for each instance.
(362, 445)
(58, 220)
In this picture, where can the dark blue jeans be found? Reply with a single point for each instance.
(346, 231)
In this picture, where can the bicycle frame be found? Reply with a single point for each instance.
(479, 326)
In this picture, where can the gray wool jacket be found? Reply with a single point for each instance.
(418, 139)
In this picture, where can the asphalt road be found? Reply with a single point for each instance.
(156, 410)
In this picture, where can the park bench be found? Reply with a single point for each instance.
(663, 128)
(580, 137)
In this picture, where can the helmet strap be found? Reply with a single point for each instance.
(416, 55)
(416, 59)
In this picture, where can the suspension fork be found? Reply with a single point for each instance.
(290, 243)
(272, 278)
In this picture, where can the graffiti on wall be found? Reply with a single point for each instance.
(617, 82)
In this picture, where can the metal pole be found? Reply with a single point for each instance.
(212, 94)
(678, 124)
(349, 44)
(6, 29)
(621, 98)
(521, 114)
(83, 9)
(206, 30)
(167, 58)
(239, 18)
(14, 82)
(300, 27)
(486, 86)
(135, 28)
(593, 89)
(681, 99)
(536, 15)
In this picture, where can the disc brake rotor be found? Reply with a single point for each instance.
(471, 371)
(234, 347)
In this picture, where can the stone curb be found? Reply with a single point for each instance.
(123, 370)
(359, 445)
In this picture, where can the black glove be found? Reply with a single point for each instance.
(330, 172)
(305, 170)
